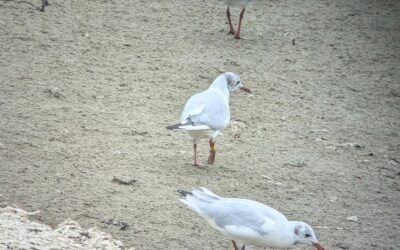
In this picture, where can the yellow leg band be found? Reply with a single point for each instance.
(214, 148)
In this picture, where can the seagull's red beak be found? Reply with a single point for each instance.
(245, 89)
(318, 246)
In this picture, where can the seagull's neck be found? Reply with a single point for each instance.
(220, 84)
(285, 237)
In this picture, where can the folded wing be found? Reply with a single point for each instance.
(206, 108)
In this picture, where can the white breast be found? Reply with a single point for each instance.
(201, 134)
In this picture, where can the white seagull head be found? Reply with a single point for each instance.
(234, 83)
(229, 82)
(304, 234)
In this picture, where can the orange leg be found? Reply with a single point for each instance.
(237, 36)
(195, 155)
(213, 151)
(234, 245)
(228, 14)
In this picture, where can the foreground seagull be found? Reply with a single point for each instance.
(206, 113)
(249, 222)
(236, 3)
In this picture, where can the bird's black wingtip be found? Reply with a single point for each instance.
(172, 127)
(183, 193)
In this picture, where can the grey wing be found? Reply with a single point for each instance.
(241, 218)
(206, 108)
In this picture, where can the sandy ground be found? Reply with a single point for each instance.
(87, 88)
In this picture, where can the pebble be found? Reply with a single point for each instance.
(352, 218)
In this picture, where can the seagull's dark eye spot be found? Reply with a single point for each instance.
(238, 82)
(307, 235)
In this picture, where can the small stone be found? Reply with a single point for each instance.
(300, 164)
(333, 199)
(342, 245)
(352, 218)
(54, 92)
(124, 180)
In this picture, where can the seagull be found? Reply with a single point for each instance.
(248, 222)
(207, 112)
(236, 3)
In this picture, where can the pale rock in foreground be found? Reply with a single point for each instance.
(17, 231)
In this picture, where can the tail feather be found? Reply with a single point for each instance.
(188, 127)
(198, 200)
(183, 125)
(201, 195)
(208, 192)
(205, 195)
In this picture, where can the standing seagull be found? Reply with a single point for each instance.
(206, 113)
(249, 222)
(236, 3)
